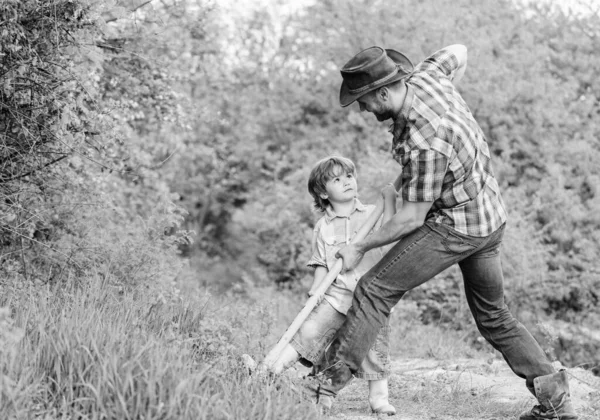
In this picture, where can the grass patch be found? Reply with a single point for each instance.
(442, 399)
(93, 352)
(412, 339)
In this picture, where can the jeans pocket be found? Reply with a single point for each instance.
(458, 244)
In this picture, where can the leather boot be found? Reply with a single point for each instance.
(552, 392)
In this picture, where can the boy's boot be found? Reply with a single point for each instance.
(552, 392)
(329, 381)
(378, 397)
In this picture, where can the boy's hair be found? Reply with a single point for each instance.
(323, 171)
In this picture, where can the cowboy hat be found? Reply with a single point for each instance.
(370, 69)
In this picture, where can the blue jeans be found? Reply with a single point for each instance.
(315, 335)
(417, 258)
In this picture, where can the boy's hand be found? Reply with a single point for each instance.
(311, 293)
(351, 255)
(389, 192)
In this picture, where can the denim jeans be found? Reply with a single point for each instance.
(315, 335)
(417, 258)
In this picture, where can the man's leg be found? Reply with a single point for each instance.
(483, 279)
(484, 289)
(414, 260)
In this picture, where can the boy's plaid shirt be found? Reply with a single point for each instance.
(443, 152)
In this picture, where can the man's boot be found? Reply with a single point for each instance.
(552, 392)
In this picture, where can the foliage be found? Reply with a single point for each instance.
(45, 107)
(42, 99)
(77, 178)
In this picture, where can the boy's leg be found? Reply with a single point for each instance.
(379, 397)
(313, 337)
(376, 369)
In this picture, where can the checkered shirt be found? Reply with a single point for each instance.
(443, 152)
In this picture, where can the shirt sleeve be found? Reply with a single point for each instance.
(318, 249)
(440, 61)
(423, 175)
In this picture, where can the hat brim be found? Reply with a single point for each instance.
(347, 98)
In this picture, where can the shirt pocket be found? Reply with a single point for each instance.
(332, 246)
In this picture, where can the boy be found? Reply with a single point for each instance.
(332, 184)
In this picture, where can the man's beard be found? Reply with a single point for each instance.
(382, 116)
(382, 112)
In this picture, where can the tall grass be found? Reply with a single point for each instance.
(93, 352)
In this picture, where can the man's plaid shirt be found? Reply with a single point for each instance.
(443, 152)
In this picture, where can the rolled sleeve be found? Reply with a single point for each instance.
(442, 60)
(423, 176)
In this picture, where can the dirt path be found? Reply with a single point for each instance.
(461, 389)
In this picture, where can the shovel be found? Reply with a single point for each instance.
(310, 304)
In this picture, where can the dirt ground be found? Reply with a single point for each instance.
(461, 389)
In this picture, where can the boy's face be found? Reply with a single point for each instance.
(342, 187)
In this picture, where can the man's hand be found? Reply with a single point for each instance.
(351, 256)
(388, 192)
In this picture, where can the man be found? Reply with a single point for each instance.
(452, 213)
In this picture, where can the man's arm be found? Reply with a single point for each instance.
(460, 52)
(390, 195)
(410, 217)
(443, 60)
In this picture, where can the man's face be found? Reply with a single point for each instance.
(371, 102)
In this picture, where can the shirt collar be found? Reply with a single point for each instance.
(330, 214)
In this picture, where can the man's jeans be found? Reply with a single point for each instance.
(417, 258)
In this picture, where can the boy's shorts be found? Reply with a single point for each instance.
(317, 332)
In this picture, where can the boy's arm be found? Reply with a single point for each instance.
(318, 259)
(320, 273)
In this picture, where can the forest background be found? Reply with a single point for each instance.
(154, 216)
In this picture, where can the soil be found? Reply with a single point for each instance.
(461, 389)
